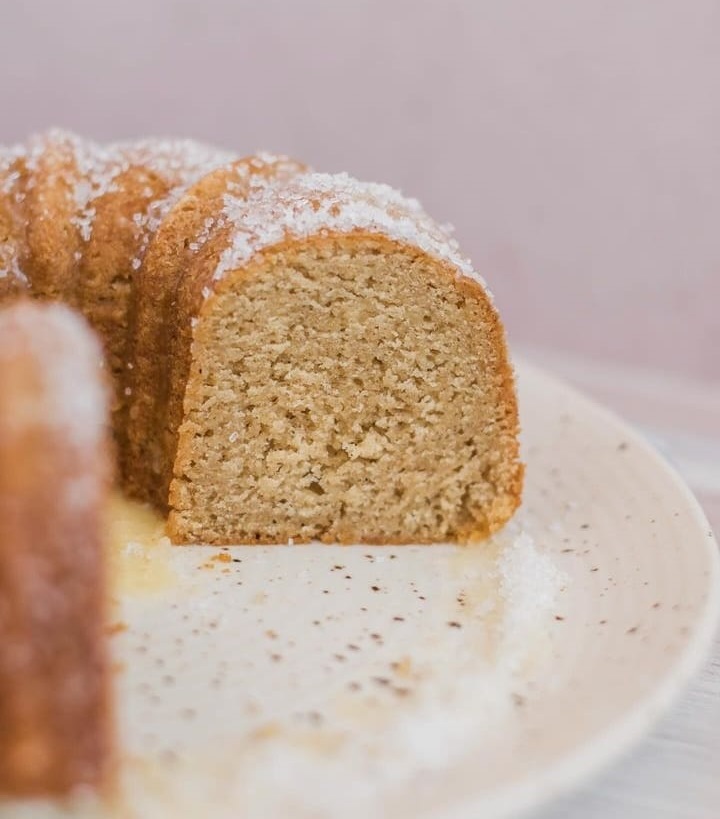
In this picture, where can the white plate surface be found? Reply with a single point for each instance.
(419, 682)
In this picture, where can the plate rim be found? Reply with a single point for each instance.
(596, 755)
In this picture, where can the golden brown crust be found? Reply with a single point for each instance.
(55, 713)
(109, 261)
(52, 240)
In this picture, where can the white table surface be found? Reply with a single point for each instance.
(675, 771)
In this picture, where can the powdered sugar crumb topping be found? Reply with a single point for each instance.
(67, 357)
(9, 178)
(243, 179)
(182, 160)
(180, 163)
(9, 266)
(317, 203)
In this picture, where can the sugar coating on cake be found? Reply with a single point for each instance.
(317, 203)
(239, 180)
(9, 266)
(70, 363)
(182, 162)
(9, 198)
(182, 159)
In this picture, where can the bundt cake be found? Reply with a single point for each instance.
(55, 715)
(295, 355)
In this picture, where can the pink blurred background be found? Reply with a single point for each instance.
(575, 146)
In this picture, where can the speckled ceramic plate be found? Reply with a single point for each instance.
(417, 681)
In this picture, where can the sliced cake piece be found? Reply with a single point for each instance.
(340, 373)
(55, 717)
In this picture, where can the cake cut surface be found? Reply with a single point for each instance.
(344, 376)
(345, 389)
(55, 717)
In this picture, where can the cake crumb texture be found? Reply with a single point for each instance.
(346, 389)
